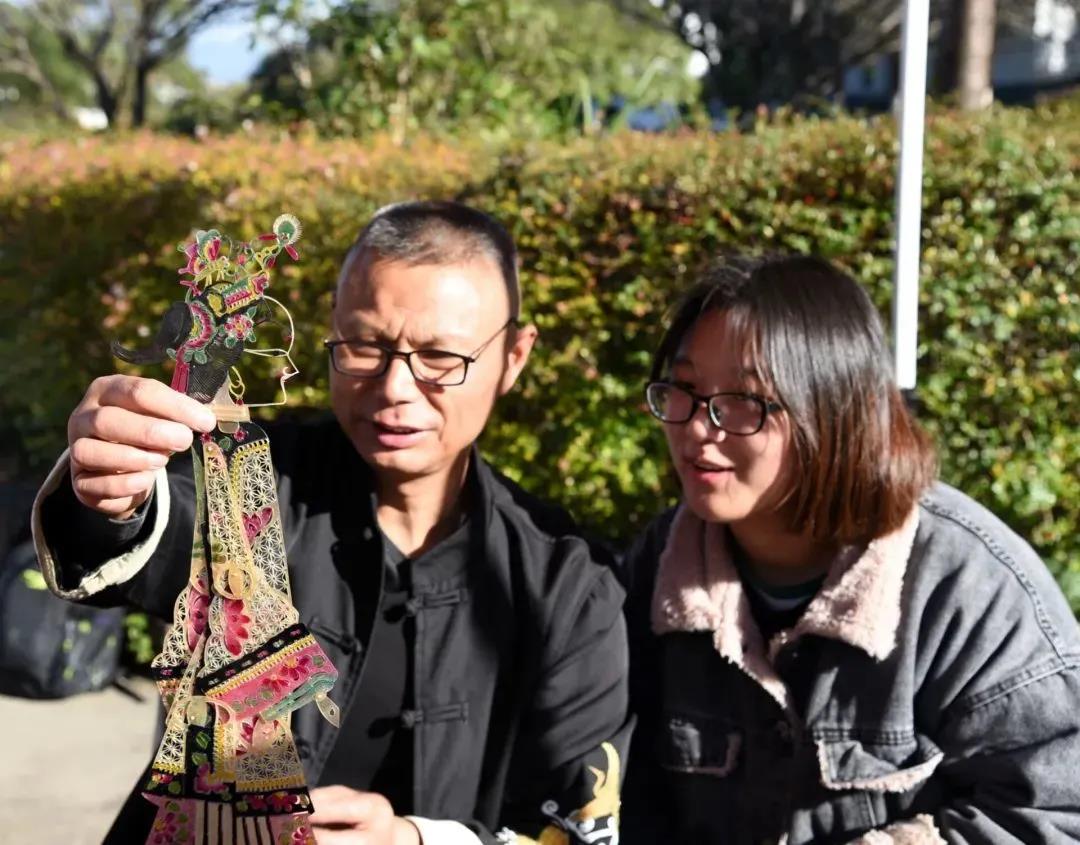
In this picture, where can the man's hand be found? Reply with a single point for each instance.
(124, 428)
(345, 816)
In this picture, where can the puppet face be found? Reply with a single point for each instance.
(207, 332)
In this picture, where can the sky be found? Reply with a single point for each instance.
(225, 53)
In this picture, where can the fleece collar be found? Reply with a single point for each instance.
(698, 589)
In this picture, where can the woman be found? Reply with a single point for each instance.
(827, 645)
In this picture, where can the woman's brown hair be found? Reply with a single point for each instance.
(816, 343)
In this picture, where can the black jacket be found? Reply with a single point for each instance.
(520, 653)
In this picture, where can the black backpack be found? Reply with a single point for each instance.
(51, 648)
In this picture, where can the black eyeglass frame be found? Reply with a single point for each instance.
(766, 405)
(389, 354)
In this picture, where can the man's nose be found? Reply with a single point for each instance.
(398, 382)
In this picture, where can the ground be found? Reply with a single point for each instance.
(69, 764)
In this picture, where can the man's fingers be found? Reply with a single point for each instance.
(102, 456)
(116, 508)
(152, 398)
(340, 805)
(93, 488)
(340, 836)
(118, 425)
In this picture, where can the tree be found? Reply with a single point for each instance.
(31, 55)
(115, 44)
(522, 66)
(976, 54)
(782, 51)
(777, 51)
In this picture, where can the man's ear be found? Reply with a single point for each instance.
(517, 355)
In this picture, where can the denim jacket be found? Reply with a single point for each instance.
(929, 693)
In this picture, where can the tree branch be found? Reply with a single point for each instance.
(17, 56)
(631, 10)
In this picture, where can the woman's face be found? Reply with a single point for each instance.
(726, 477)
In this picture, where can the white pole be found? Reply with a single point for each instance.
(915, 36)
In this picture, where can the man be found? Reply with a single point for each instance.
(481, 647)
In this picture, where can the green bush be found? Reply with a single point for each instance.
(610, 230)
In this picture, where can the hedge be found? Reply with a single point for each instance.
(610, 230)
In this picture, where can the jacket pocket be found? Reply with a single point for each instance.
(883, 764)
(699, 745)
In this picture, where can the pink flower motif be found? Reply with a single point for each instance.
(260, 282)
(247, 736)
(282, 802)
(165, 828)
(207, 782)
(254, 523)
(238, 326)
(277, 683)
(191, 250)
(296, 667)
(198, 605)
(239, 435)
(206, 437)
(236, 622)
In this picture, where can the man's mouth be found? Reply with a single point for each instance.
(393, 436)
(395, 429)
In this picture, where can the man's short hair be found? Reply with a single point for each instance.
(433, 232)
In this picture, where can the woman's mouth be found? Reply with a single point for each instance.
(708, 472)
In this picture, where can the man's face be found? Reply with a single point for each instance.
(405, 429)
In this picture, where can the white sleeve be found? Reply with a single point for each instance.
(112, 572)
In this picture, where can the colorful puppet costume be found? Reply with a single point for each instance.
(236, 661)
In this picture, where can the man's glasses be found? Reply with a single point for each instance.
(735, 413)
(367, 359)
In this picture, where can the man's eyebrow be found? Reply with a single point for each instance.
(360, 329)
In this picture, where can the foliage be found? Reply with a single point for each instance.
(527, 66)
(609, 229)
(784, 51)
(139, 644)
(112, 47)
(32, 59)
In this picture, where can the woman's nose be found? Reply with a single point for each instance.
(701, 426)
